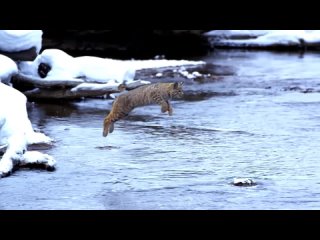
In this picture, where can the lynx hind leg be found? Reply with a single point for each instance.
(105, 131)
(111, 128)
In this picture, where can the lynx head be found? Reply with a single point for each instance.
(122, 86)
(175, 90)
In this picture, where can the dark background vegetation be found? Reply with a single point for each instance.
(128, 44)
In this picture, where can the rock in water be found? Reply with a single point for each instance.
(43, 69)
(243, 182)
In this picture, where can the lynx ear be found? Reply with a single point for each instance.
(122, 87)
(176, 85)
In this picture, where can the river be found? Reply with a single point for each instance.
(260, 122)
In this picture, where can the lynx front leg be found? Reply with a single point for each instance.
(165, 104)
(166, 107)
(170, 110)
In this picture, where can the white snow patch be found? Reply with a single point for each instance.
(159, 75)
(236, 33)
(7, 68)
(15, 128)
(263, 38)
(94, 69)
(35, 157)
(97, 69)
(188, 75)
(19, 40)
(111, 85)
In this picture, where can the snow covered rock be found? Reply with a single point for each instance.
(21, 45)
(97, 76)
(7, 68)
(16, 132)
(243, 182)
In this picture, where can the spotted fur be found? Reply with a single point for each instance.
(157, 93)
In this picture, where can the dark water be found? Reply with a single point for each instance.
(262, 122)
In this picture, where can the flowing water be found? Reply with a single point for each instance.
(260, 122)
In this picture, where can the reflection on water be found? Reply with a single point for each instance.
(244, 125)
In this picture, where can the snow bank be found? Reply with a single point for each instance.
(95, 86)
(236, 34)
(14, 115)
(63, 66)
(97, 69)
(16, 130)
(93, 69)
(89, 76)
(7, 68)
(66, 67)
(264, 38)
(19, 40)
(145, 64)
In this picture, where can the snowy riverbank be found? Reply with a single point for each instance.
(265, 39)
